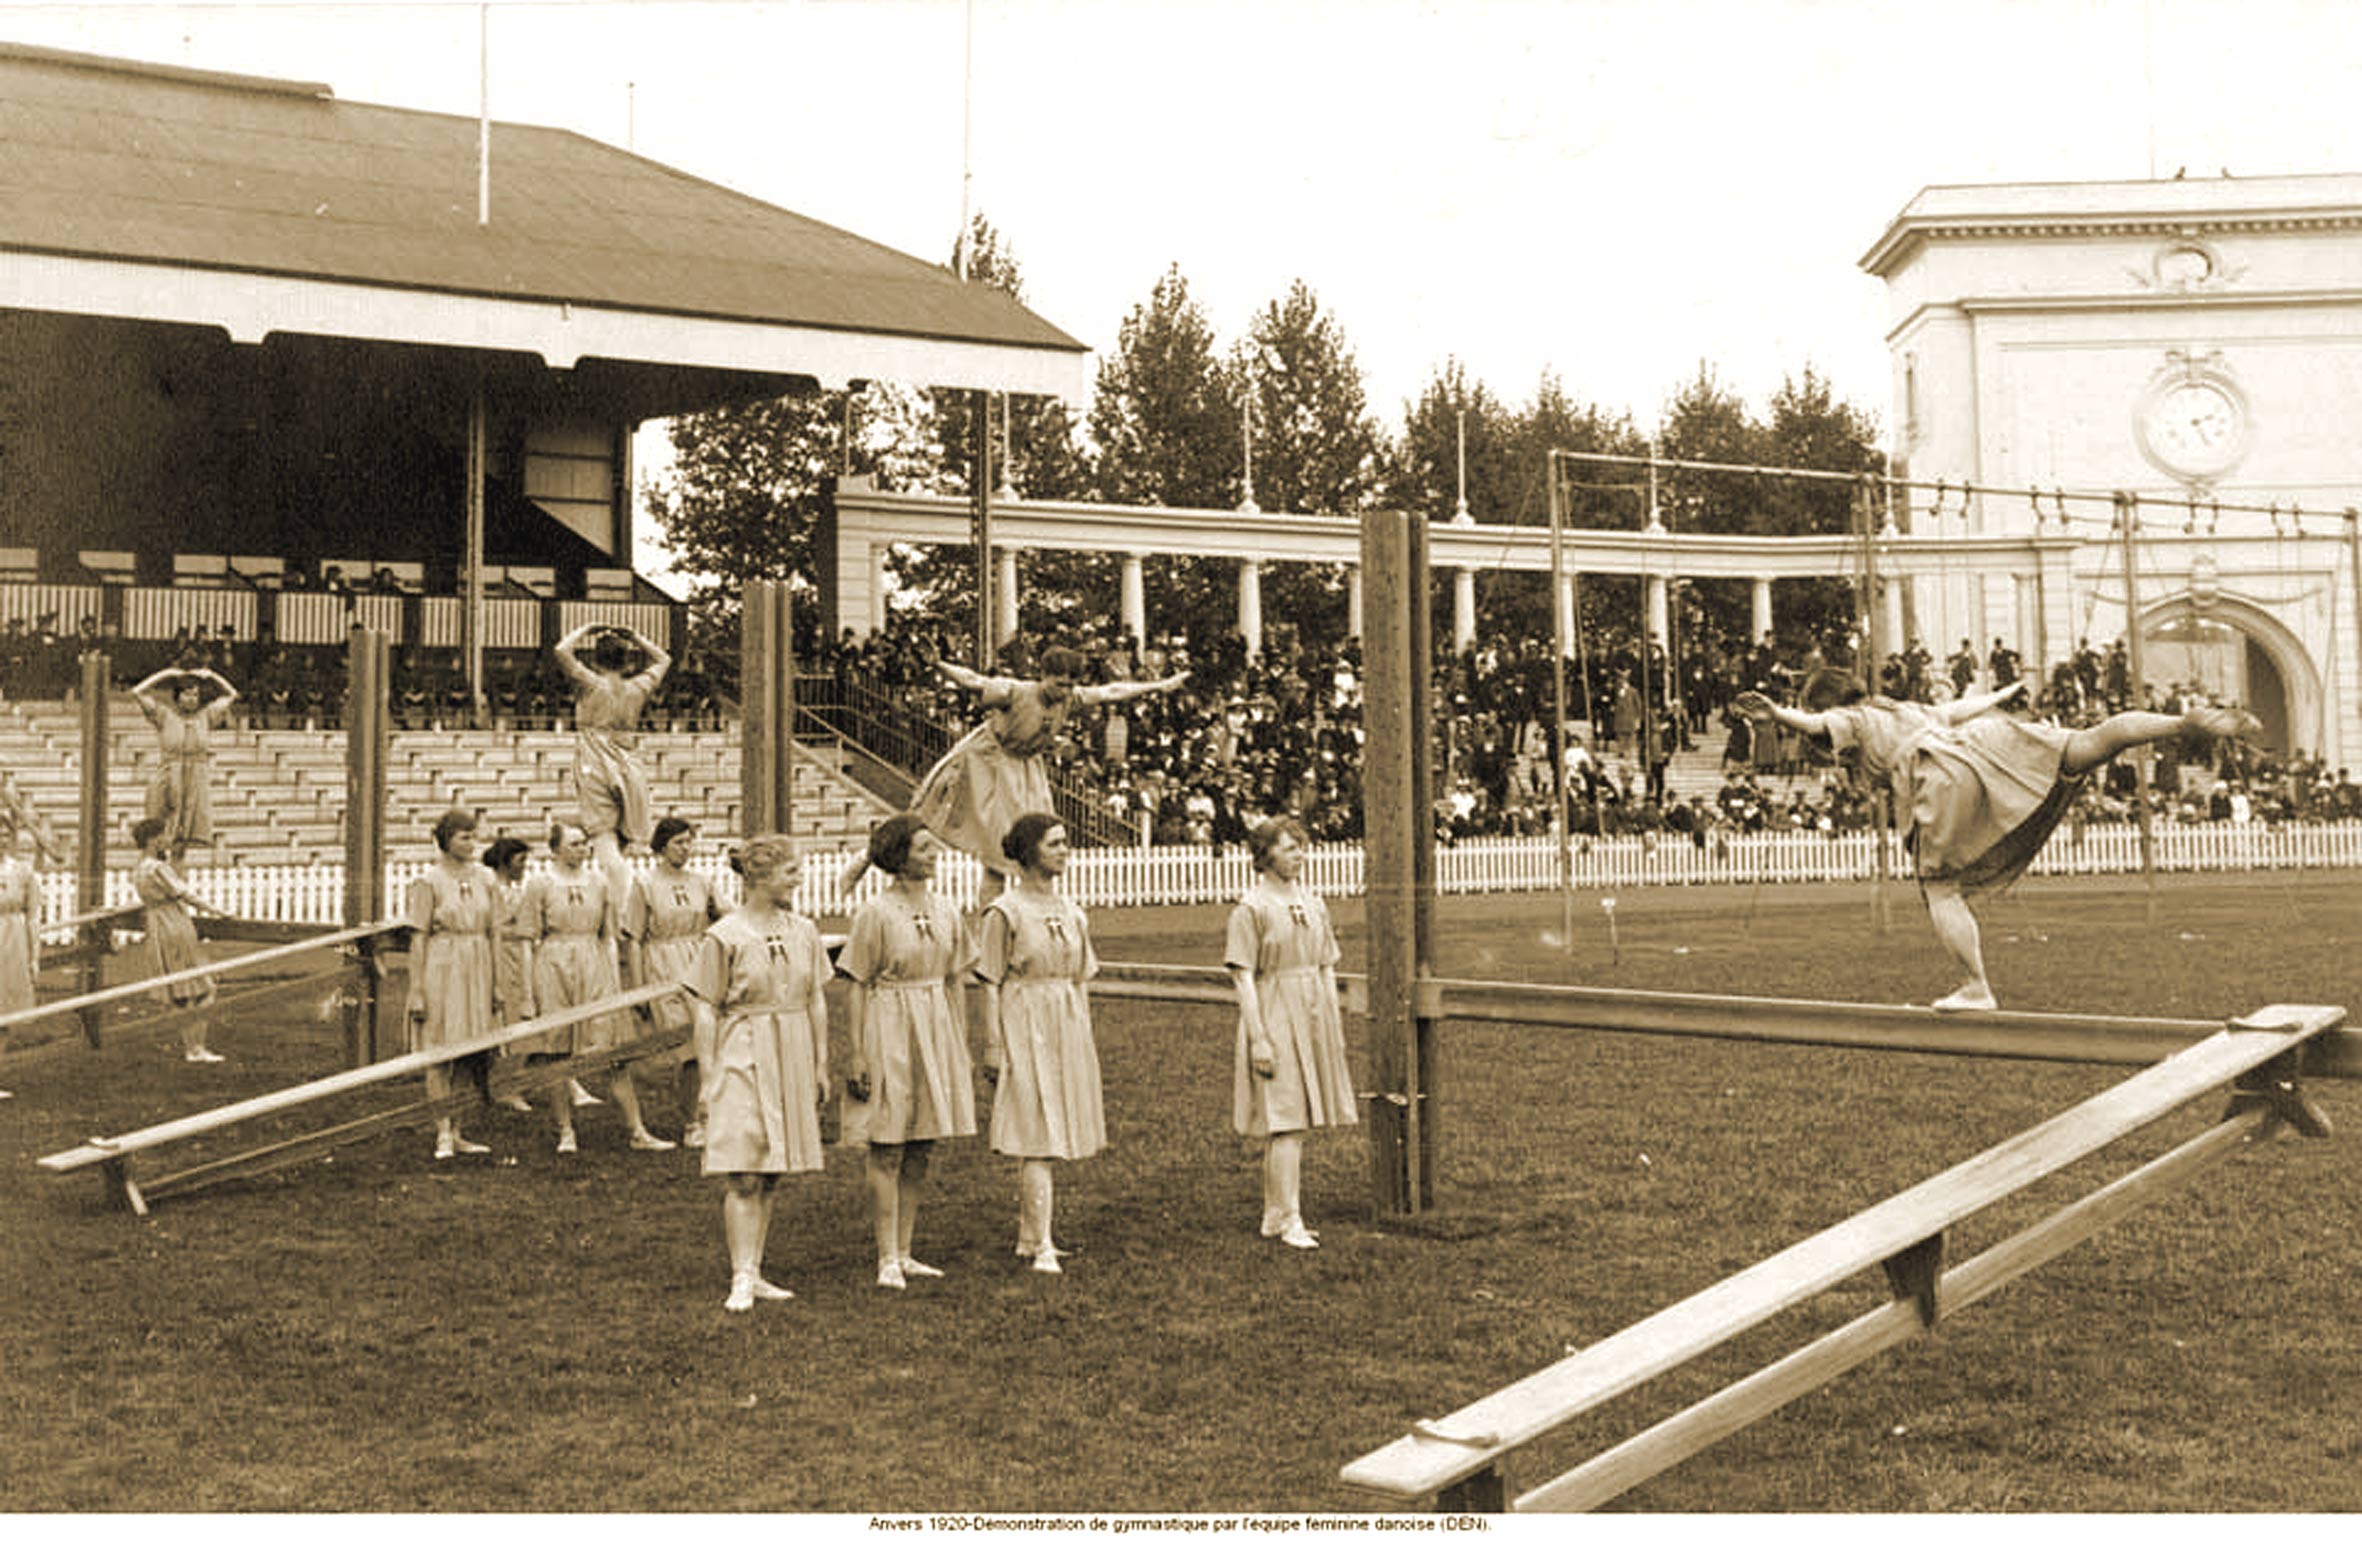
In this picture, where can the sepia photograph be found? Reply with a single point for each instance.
(1178, 770)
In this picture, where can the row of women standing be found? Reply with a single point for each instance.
(491, 947)
(909, 956)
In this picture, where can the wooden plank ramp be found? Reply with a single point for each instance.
(1900, 1232)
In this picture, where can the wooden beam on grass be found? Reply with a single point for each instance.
(1470, 1442)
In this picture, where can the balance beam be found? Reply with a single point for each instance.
(157, 984)
(113, 1153)
(1903, 1028)
(1904, 1233)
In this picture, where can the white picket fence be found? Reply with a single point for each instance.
(1142, 877)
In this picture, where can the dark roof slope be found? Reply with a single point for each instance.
(114, 159)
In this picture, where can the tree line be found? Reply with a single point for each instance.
(1166, 428)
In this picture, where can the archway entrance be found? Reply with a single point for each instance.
(2232, 652)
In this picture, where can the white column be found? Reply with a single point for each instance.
(1005, 610)
(1135, 601)
(1566, 614)
(1760, 616)
(1463, 608)
(1890, 616)
(1250, 606)
(1353, 599)
(1656, 608)
(876, 591)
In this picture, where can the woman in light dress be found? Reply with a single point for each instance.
(512, 948)
(1046, 1103)
(181, 792)
(166, 901)
(453, 916)
(20, 930)
(570, 914)
(999, 769)
(757, 983)
(1289, 1076)
(609, 694)
(909, 955)
(1981, 791)
(665, 914)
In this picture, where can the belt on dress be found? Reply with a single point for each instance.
(740, 1011)
(908, 982)
(1075, 978)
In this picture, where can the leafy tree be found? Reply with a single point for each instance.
(1166, 423)
(748, 487)
(1810, 429)
(1594, 496)
(1423, 470)
(1709, 422)
(1036, 454)
(1316, 447)
(1165, 416)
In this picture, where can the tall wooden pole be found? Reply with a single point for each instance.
(1866, 668)
(90, 846)
(980, 515)
(367, 745)
(1559, 627)
(2128, 525)
(1398, 826)
(471, 567)
(766, 710)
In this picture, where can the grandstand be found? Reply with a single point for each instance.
(279, 793)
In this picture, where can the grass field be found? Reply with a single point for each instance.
(529, 1334)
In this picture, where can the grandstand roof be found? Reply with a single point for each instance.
(151, 191)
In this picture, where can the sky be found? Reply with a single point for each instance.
(1611, 191)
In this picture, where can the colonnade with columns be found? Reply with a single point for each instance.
(1132, 597)
(2040, 592)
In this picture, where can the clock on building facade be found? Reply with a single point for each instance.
(2192, 422)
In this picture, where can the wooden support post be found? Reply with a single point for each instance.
(367, 744)
(1398, 829)
(980, 484)
(1483, 1491)
(767, 682)
(90, 847)
(2128, 519)
(1916, 1275)
(1421, 1134)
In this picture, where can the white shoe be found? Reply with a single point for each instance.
(518, 1104)
(7, 1095)
(1296, 1234)
(651, 1142)
(925, 1271)
(890, 1276)
(1046, 1262)
(766, 1291)
(742, 1295)
(1274, 1221)
(566, 1145)
(469, 1147)
(204, 1055)
(1963, 999)
(443, 1150)
(583, 1098)
(694, 1136)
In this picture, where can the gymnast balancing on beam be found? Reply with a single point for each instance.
(1981, 790)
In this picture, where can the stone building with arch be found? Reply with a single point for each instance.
(2196, 342)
